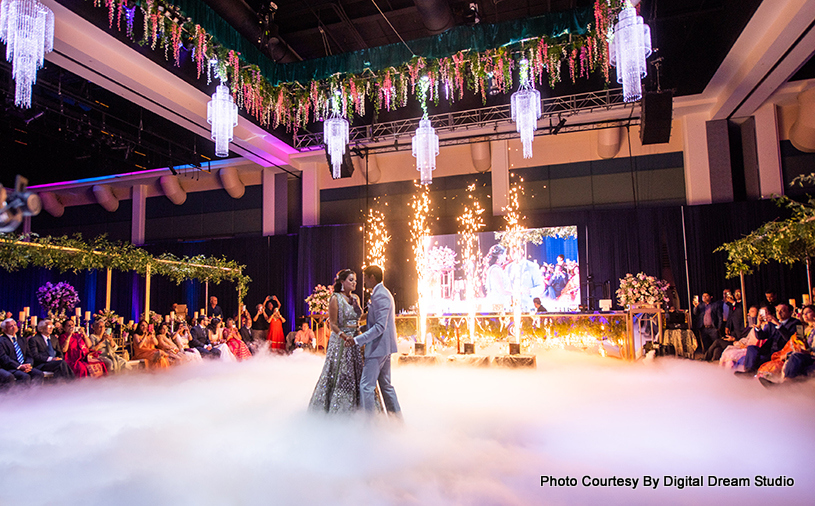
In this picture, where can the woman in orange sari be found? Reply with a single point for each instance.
(144, 348)
(276, 338)
(77, 354)
(234, 341)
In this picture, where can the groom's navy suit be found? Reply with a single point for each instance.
(380, 341)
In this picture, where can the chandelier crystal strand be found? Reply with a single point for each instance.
(222, 114)
(526, 109)
(425, 142)
(336, 133)
(630, 46)
(27, 28)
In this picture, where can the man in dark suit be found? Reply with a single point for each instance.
(46, 353)
(14, 355)
(707, 318)
(246, 332)
(772, 337)
(199, 339)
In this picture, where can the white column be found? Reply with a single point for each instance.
(139, 218)
(500, 176)
(697, 165)
(771, 179)
(267, 176)
(311, 194)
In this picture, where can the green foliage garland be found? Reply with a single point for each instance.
(75, 255)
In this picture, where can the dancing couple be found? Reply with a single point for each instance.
(348, 382)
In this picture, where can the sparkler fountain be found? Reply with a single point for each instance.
(376, 237)
(514, 241)
(420, 236)
(471, 223)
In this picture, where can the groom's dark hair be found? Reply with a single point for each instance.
(375, 271)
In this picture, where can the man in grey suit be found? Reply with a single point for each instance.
(380, 341)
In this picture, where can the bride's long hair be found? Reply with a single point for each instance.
(342, 276)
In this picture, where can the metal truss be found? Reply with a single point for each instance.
(494, 116)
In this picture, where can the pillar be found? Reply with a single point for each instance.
(139, 217)
(697, 166)
(771, 180)
(311, 194)
(500, 176)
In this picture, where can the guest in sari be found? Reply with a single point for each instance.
(182, 339)
(215, 333)
(75, 349)
(800, 363)
(276, 338)
(168, 346)
(145, 348)
(101, 341)
(234, 341)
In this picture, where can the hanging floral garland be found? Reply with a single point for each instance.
(296, 104)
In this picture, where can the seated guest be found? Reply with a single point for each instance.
(182, 339)
(101, 341)
(14, 355)
(199, 339)
(74, 344)
(246, 332)
(233, 340)
(47, 355)
(145, 348)
(304, 338)
(774, 334)
(801, 363)
(216, 340)
(538, 306)
(168, 346)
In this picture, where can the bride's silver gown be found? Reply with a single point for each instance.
(337, 390)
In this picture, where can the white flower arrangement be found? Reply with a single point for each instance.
(642, 289)
(319, 298)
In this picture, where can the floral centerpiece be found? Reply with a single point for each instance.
(107, 316)
(155, 319)
(318, 300)
(642, 289)
(441, 258)
(57, 300)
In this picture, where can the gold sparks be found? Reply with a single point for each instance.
(376, 238)
(471, 222)
(420, 235)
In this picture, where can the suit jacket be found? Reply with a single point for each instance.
(699, 315)
(198, 337)
(8, 355)
(381, 327)
(39, 350)
(776, 337)
(246, 334)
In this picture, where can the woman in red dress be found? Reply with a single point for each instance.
(234, 341)
(77, 353)
(276, 338)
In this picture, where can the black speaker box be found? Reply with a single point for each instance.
(656, 116)
(347, 166)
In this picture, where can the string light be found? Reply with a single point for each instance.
(630, 46)
(27, 28)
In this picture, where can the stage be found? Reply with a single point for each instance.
(219, 433)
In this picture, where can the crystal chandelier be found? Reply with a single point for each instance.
(222, 114)
(335, 133)
(526, 109)
(630, 46)
(27, 28)
(425, 143)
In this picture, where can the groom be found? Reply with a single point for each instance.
(380, 338)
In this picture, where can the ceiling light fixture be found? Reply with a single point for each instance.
(27, 28)
(425, 142)
(526, 109)
(222, 114)
(336, 134)
(630, 46)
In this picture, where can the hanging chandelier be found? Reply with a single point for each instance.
(526, 109)
(335, 134)
(425, 142)
(630, 46)
(27, 28)
(222, 114)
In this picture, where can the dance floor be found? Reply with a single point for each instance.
(222, 434)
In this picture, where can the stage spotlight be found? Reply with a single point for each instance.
(18, 204)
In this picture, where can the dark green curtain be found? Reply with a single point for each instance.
(478, 38)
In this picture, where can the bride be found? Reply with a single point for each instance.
(337, 390)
